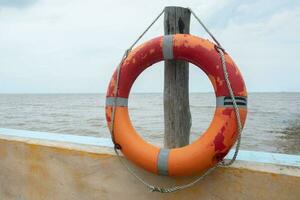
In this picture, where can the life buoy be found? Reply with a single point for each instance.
(217, 140)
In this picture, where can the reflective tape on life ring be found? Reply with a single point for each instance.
(214, 143)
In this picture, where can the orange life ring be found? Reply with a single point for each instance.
(215, 143)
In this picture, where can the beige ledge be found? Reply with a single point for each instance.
(35, 169)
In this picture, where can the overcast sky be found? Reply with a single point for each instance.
(56, 46)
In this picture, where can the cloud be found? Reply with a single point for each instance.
(266, 49)
(17, 3)
(74, 46)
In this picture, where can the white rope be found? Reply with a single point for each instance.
(115, 92)
(236, 109)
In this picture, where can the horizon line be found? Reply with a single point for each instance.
(24, 93)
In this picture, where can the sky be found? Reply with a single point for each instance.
(73, 46)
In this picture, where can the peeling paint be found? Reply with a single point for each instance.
(213, 81)
(192, 41)
(227, 111)
(243, 92)
(152, 51)
(219, 139)
(220, 81)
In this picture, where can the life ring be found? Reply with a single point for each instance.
(215, 143)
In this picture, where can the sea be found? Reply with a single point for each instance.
(272, 125)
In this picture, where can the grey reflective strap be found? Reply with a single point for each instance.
(224, 101)
(162, 162)
(110, 101)
(168, 47)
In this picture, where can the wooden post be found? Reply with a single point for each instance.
(177, 114)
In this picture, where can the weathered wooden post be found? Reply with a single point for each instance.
(177, 114)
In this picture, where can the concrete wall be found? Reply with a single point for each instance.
(35, 166)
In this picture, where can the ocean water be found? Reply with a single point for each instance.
(273, 122)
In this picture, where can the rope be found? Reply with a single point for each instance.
(221, 51)
(115, 92)
(236, 110)
(147, 29)
(153, 188)
(206, 29)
